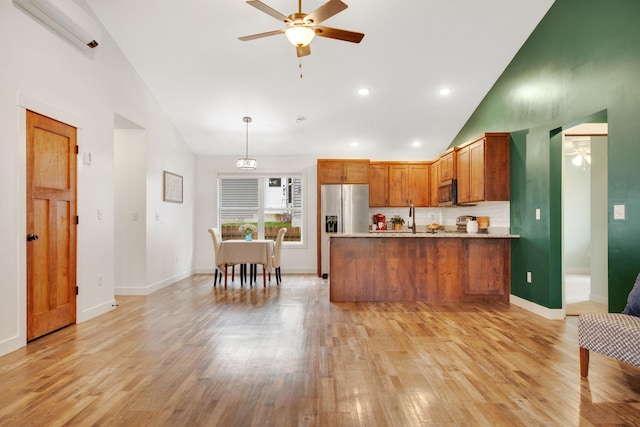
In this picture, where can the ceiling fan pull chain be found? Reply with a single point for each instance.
(300, 66)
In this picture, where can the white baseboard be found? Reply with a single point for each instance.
(577, 270)
(123, 290)
(600, 299)
(95, 311)
(12, 344)
(547, 313)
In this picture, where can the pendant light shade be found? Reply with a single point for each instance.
(246, 163)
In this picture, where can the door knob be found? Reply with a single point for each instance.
(31, 237)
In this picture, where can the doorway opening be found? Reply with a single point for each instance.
(584, 218)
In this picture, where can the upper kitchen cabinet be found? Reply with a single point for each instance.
(483, 169)
(434, 175)
(378, 185)
(336, 171)
(399, 184)
(447, 169)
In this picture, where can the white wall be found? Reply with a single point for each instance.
(130, 217)
(599, 221)
(296, 258)
(45, 73)
(576, 216)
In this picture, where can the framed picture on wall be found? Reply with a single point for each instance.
(172, 187)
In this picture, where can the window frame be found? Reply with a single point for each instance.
(263, 180)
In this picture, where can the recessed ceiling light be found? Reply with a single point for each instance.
(364, 91)
(354, 143)
(416, 143)
(445, 91)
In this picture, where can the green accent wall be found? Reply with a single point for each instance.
(581, 64)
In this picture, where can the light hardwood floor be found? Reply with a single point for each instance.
(194, 355)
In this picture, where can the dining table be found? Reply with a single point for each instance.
(243, 252)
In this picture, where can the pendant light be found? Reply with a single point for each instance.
(245, 163)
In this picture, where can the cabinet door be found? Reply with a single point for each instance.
(476, 171)
(398, 180)
(379, 185)
(330, 172)
(435, 180)
(464, 178)
(487, 272)
(447, 166)
(418, 192)
(356, 172)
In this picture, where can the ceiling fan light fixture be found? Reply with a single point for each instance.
(299, 36)
(246, 163)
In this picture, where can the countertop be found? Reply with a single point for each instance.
(447, 234)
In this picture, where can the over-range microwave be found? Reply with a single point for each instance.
(448, 193)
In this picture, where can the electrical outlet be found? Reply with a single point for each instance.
(528, 277)
(99, 214)
(157, 216)
(134, 216)
(99, 279)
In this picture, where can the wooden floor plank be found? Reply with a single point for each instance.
(194, 355)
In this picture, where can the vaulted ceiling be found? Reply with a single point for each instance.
(207, 80)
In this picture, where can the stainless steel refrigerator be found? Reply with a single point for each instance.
(344, 208)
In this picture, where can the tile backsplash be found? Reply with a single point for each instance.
(498, 213)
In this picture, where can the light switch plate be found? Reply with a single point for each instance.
(618, 212)
(538, 213)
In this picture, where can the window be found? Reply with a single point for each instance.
(269, 203)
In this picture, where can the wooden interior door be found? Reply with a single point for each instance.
(51, 225)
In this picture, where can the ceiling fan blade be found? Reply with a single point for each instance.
(335, 33)
(325, 11)
(269, 10)
(303, 50)
(261, 35)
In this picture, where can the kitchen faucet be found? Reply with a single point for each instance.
(412, 213)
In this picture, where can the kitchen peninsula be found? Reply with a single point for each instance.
(441, 267)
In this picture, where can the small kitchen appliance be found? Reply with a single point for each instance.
(379, 222)
(461, 223)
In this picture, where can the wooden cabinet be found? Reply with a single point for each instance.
(378, 185)
(448, 165)
(336, 171)
(399, 184)
(434, 182)
(420, 269)
(418, 185)
(487, 269)
(483, 169)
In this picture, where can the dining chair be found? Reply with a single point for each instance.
(275, 258)
(216, 237)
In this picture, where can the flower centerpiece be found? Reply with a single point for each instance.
(248, 229)
(397, 222)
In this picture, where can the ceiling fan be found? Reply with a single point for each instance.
(302, 27)
(581, 149)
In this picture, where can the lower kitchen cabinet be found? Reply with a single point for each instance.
(432, 269)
